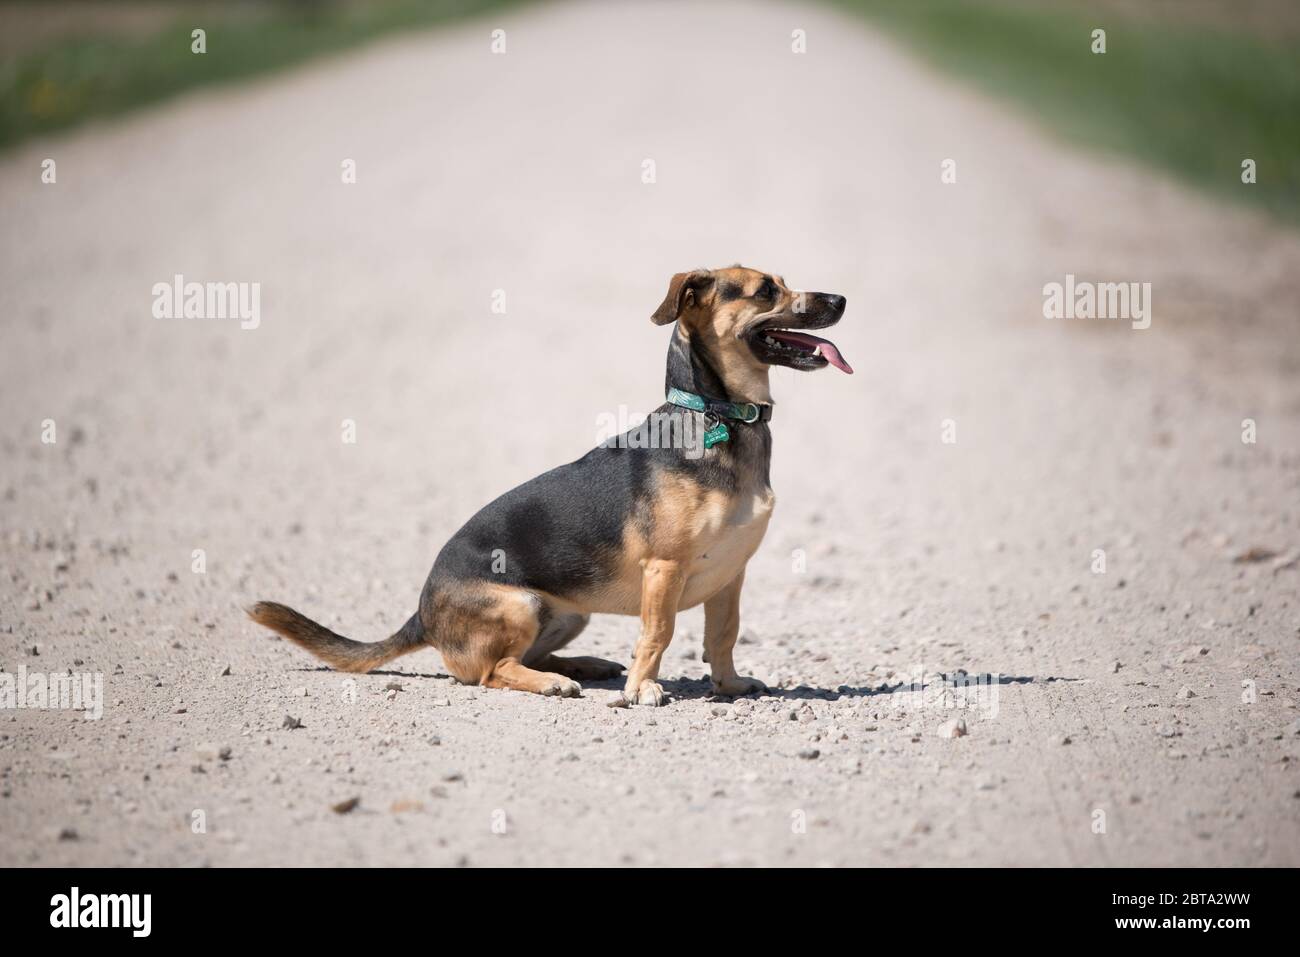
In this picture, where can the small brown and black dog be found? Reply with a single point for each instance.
(626, 529)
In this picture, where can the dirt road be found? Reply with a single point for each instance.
(1141, 715)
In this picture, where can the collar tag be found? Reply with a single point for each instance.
(719, 433)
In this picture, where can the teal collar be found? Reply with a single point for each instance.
(715, 410)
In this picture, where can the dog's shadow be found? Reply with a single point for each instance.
(687, 689)
(691, 689)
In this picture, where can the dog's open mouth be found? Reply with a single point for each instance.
(799, 350)
(787, 340)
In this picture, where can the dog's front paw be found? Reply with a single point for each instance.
(648, 693)
(734, 686)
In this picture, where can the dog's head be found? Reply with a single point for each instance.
(747, 320)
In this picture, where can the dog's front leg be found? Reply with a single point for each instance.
(661, 591)
(721, 628)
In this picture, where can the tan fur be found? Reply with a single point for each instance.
(721, 629)
(661, 590)
(710, 534)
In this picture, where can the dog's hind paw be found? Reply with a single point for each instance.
(563, 687)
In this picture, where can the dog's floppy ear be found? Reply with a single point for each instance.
(682, 285)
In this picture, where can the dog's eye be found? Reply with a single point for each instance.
(767, 291)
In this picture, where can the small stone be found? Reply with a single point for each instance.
(1115, 666)
(300, 692)
(224, 672)
(394, 686)
(956, 728)
(1185, 692)
(1256, 553)
(291, 723)
(618, 701)
(344, 807)
(809, 754)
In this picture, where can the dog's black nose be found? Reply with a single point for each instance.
(836, 302)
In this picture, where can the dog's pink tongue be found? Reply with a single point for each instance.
(828, 350)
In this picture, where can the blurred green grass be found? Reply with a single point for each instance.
(1187, 95)
(1192, 98)
(74, 78)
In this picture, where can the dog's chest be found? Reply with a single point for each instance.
(726, 543)
(711, 533)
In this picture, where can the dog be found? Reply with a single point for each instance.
(626, 529)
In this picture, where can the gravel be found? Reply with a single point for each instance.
(1071, 436)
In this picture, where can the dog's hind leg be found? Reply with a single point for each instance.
(485, 633)
(513, 674)
(558, 632)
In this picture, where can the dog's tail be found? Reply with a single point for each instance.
(341, 653)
